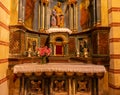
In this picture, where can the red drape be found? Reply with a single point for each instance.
(58, 49)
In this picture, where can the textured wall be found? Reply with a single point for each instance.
(4, 45)
(114, 37)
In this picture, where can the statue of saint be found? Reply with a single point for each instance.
(57, 16)
(53, 22)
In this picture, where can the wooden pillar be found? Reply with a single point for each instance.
(70, 16)
(94, 12)
(70, 86)
(67, 53)
(46, 12)
(77, 47)
(36, 16)
(76, 13)
(73, 86)
(51, 87)
(54, 49)
(25, 87)
(98, 11)
(94, 86)
(41, 16)
(20, 10)
(72, 13)
(22, 85)
(100, 86)
(75, 16)
(46, 87)
(23, 10)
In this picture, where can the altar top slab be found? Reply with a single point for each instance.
(59, 67)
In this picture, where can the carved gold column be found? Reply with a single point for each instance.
(98, 11)
(22, 86)
(20, 10)
(70, 86)
(77, 47)
(23, 11)
(94, 86)
(73, 87)
(67, 52)
(70, 16)
(51, 87)
(41, 16)
(46, 12)
(74, 18)
(94, 12)
(54, 47)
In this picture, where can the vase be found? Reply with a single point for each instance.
(43, 60)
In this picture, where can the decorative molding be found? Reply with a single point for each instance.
(4, 79)
(4, 43)
(4, 8)
(114, 9)
(115, 56)
(4, 26)
(115, 71)
(3, 60)
(113, 86)
(114, 24)
(114, 40)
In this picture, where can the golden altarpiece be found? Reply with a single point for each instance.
(79, 58)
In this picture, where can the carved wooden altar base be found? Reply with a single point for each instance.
(57, 79)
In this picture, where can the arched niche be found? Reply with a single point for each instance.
(58, 43)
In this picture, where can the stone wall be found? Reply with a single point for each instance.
(4, 45)
(114, 38)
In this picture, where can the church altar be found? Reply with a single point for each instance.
(59, 67)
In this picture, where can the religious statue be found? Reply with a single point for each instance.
(57, 17)
(53, 18)
(85, 15)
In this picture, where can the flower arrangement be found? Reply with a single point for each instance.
(43, 52)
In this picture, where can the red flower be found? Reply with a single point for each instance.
(44, 51)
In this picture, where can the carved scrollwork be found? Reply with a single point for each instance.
(82, 85)
(59, 85)
(35, 87)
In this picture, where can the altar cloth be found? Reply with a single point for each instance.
(58, 67)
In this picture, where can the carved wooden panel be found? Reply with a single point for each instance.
(17, 42)
(71, 46)
(34, 87)
(59, 86)
(82, 84)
